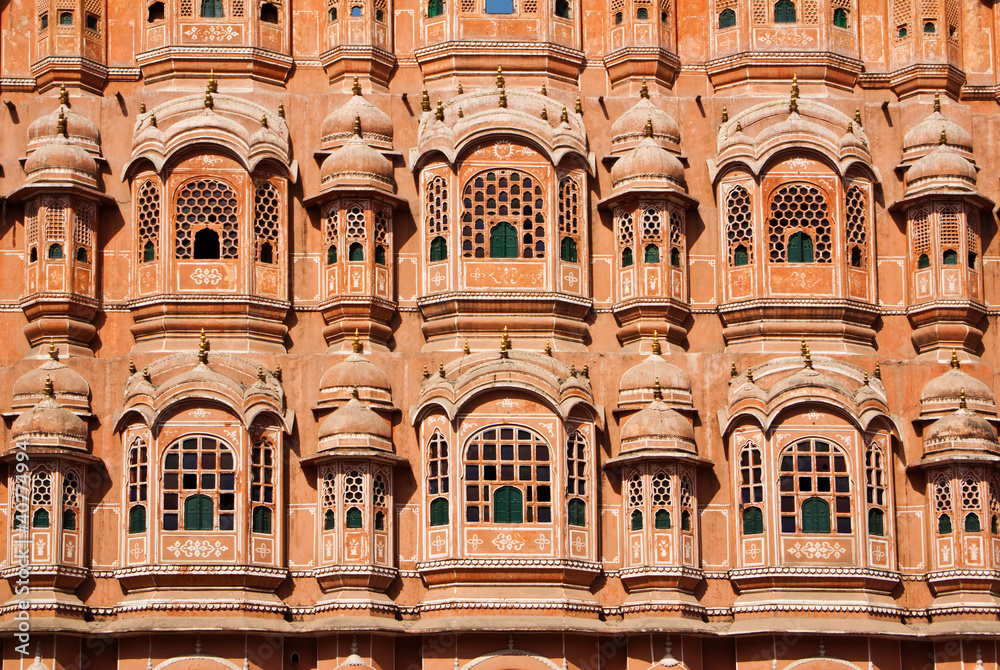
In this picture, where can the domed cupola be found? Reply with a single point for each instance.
(338, 126)
(963, 435)
(925, 137)
(355, 373)
(629, 129)
(943, 171)
(48, 424)
(59, 159)
(659, 429)
(943, 393)
(78, 129)
(70, 389)
(637, 385)
(648, 167)
(355, 165)
(354, 427)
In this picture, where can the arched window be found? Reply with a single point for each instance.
(81, 255)
(627, 260)
(155, 12)
(876, 522)
(972, 503)
(577, 512)
(510, 457)
(70, 500)
(380, 254)
(784, 12)
(739, 226)
(499, 6)
(148, 218)
(267, 219)
(635, 501)
(435, 8)
(265, 253)
(199, 472)
(943, 504)
(211, 9)
(206, 244)
(55, 252)
(148, 252)
(944, 524)
(972, 524)
(261, 520)
(439, 512)
(354, 499)
(562, 9)
(949, 257)
(40, 519)
(686, 498)
(902, 33)
(567, 250)
(207, 204)
(268, 13)
(576, 465)
(929, 27)
(331, 254)
(262, 485)
(618, 18)
(439, 249)
(380, 520)
(356, 11)
(799, 208)
(800, 248)
(642, 14)
(675, 257)
(661, 497)
(331, 14)
(636, 519)
(437, 465)
(753, 521)
(740, 255)
(661, 520)
(923, 262)
(652, 254)
(66, 19)
(503, 241)
(727, 18)
(329, 500)
(137, 519)
(354, 518)
(875, 490)
(840, 17)
(34, 255)
(43, 21)
(380, 496)
(198, 512)
(857, 231)
(815, 516)
(329, 520)
(814, 470)
(508, 505)
(356, 252)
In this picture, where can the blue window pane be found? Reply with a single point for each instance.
(499, 6)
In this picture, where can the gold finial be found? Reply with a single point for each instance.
(793, 105)
(277, 372)
(461, 114)
(500, 81)
(145, 375)
(203, 348)
(425, 101)
(356, 346)
(142, 107)
(53, 352)
(866, 379)
(803, 348)
(878, 371)
(63, 95)
(565, 116)
(545, 114)
(725, 114)
(644, 91)
(152, 119)
(648, 132)
(61, 125)
(750, 375)
(281, 111)
(572, 369)
(439, 114)
(356, 89)
(739, 126)
(503, 98)
(213, 86)
(548, 347)
(263, 121)
(354, 392)
(545, 91)
(49, 392)
(465, 347)
(579, 106)
(357, 125)
(850, 127)
(131, 366)
(809, 358)
(962, 404)
(937, 103)
(504, 343)
(441, 370)
(944, 137)
(209, 102)
(857, 117)
(954, 360)
(427, 374)
(586, 371)
(795, 85)
(260, 374)
(733, 372)
(657, 390)
(656, 343)
(460, 89)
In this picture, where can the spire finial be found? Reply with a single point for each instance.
(53, 352)
(425, 101)
(63, 95)
(131, 366)
(878, 371)
(648, 132)
(460, 89)
(545, 90)
(954, 360)
(545, 114)
(657, 390)
(500, 81)
(209, 102)
(48, 392)
(354, 392)
(586, 370)
(822, 647)
(656, 343)
(356, 347)
(213, 86)
(146, 377)
(203, 348)
(427, 374)
(441, 370)
(277, 372)
(644, 91)
(260, 374)
(857, 117)
(357, 125)
(465, 347)
(803, 348)
(579, 106)
(750, 375)
(142, 107)
(937, 103)
(962, 404)
(809, 358)
(850, 127)
(548, 347)
(866, 379)
(504, 343)
(733, 372)
(439, 114)
(263, 121)
(725, 114)
(152, 119)
(354, 644)
(944, 137)
(503, 98)
(739, 126)
(572, 369)
(61, 125)
(565, 116)
(356, 88)
(793, 105)
(281, 111)
(461, 114)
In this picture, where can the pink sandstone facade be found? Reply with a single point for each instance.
(499, 334)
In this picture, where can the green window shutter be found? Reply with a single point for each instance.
(727, 19)
(40, 519)
(577, 512)
(380, 255)
(354, 518)
(198, 513)
(753, 521)
(800, 248)
(685, 520)
(439, 512)
(675, 257)
(636, 520)
(949, 257)
(567, 250)
(840, 18)
(944, 524)
(148, 252)
(439, 249)
(69, 520)
(652, 254)
(740, 256)
(815, 516)
(876, 522)
(331, 254)
(503, 241)
(508, 505)
(662, 520)
(924, 261)
(784, 12)
(261, 520)
(627, 259)
(356, 252)
(137, 519)
(972, 524)
(329, 520)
